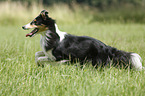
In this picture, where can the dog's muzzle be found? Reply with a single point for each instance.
(23, 27)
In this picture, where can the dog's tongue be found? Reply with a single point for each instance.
(29, 34)
(32, 33)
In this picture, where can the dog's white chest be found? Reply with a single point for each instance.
(42, 44)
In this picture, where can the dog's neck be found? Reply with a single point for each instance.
(51, 38)
(55, 30)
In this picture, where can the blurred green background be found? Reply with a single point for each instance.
(70, 11)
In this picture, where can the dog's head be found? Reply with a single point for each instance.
(40, 24)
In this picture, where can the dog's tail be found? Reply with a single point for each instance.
(136, 61)
(126, 59)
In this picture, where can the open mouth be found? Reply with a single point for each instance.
(33, 32)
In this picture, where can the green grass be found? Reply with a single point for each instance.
(20, 75)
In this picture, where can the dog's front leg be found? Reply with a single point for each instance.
(38, 54)
(41, 61)
(40, 58)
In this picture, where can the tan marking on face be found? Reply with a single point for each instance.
(28, 26)
(42, 28)
(33, 26)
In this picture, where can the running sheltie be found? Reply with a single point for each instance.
(66, 47)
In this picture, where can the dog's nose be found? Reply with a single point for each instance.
(23, 27)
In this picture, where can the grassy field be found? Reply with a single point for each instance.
(19, 75)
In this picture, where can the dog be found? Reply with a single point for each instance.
(66, 47)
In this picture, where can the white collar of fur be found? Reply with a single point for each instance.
(60, 33)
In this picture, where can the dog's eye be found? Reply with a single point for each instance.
(36, 23)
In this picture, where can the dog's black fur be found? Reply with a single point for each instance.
(80, 48)
(87, 48)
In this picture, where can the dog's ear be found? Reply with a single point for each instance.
(44, 14)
